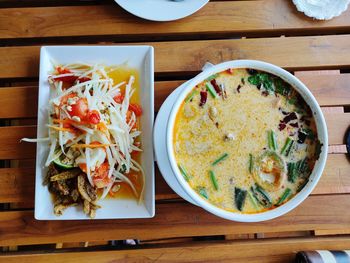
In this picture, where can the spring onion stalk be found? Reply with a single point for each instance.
(253, 200)
(263, 193)
(221, 158)
(191, 95)
(287, 147)
(272, 140)
(184, 172)
(292, 172)
(301, 186)
(284, 196)
(212, 77)
(251, 163)
(214, 180)
(211, 90)
(203, 192)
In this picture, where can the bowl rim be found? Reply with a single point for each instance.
(320, 125)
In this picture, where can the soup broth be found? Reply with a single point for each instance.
(245, 140)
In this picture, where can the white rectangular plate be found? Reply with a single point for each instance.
(138, 57)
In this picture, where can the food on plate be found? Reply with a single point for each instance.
(245, 140)
(94, 136)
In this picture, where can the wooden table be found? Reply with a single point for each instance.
(271, 30)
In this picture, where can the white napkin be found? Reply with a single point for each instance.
(322, 9)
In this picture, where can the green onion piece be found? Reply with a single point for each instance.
(284, 196)
(292, 169)
(184, 172)
(253, 200)
(251, 163)
(287, 146)
(211, 90)
(202, 192)
(191, 95)
(240, 196)
(212, 77)
(221, 158)
(264, 194)
(214, 180)
(301, 186)
(272, 140)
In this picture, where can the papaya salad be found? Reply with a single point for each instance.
(94, 137)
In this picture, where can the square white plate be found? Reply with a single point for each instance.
(138, 57)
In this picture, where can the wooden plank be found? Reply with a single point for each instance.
(337, 125)
(319, 52)
(215, 18)
(254, 251)
(335, 178)
(11, 145)
(21, 102)
(18, 102)
(329, 90)
(172, 220)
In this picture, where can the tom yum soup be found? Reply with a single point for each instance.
(245, 140)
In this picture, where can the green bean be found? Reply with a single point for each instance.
(221, 158)
(211, 90)
(214, 180)
(184, 172)
(284, 196)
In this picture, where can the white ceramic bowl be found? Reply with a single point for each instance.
(321, 130)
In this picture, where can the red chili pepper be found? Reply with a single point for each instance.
(229, 71)
(204, 96)
(93, 117)
(216, 86)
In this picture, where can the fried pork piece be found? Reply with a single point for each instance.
(52, 171)
(69, 174)
(70, 188)
(85, 189)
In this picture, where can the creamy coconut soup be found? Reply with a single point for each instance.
(245, 140)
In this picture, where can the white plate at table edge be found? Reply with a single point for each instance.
(165, 10)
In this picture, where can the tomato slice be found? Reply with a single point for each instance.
(64, 99)
(93, 117)
(79, 109)
(119, 98)
(136, 108)
(100, 176)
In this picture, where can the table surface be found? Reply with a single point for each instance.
(318, 52)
